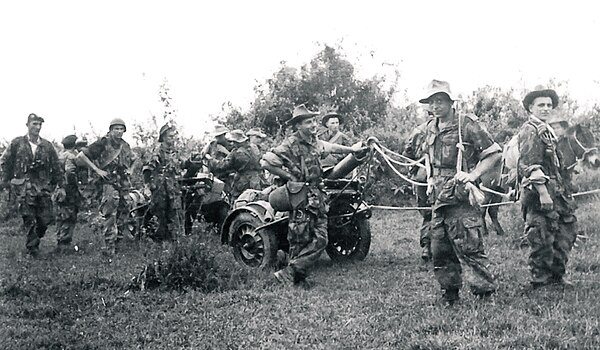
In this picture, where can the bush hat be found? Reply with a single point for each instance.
(236, 135)
(300, 113)
(220, 130)
(256, 132)
(558, 118)
(330, 115)
(540, 91)
(435, 87)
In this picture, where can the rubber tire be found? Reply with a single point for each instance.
(268, 238)
(361, 249)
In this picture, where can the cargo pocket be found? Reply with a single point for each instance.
(473, 233)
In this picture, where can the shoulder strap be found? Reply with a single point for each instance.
(112, 157)
(335, 137)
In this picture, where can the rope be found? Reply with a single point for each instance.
(402, 176)
(411, 162)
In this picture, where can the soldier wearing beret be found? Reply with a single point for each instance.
(298, 159)
(68, 207)
(161, 174)
(30, 164)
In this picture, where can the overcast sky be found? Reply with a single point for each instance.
(79, 64)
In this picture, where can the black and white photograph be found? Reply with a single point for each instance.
(299, 175)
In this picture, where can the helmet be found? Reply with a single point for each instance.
(117, 121)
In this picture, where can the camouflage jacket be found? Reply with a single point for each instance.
(114, 157)
(41, 170)
(300, 156)
(441, 146)
(163, 169)
(71, 181)
(242, 159)
(412, 150)
(540, 163)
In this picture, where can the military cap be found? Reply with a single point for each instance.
(300, 113)
(435, 87)
(69, 141)
(32, 117)
(540, 91)
(163, 130)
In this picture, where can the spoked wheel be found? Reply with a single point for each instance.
(251, 248)
(349, 237)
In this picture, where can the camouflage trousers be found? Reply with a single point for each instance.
(423, 201)
(457, 244)
(36, 211)
(307, 236)
(66, 218)
(115, 212)
(166, 206)
(551, 237)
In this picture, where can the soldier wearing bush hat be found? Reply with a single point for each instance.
(546, 201)
(332, 134)
(256, 132)
(460, 151)
(297, 160)
(243, 162)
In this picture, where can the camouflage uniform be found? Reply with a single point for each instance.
(457, 228)
(33, 178)
(115, 158)
(414, 144)
(245, 163)
(67, 209)
(162, 171)
(307, 229)
(219, 152)
(551, 234)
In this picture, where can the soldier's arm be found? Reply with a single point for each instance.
(487, 150)
(531, 157)
(83, 158)
(275, 165)
(337, 148)
(56, 170)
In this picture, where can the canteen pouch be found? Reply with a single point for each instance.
(289, 197)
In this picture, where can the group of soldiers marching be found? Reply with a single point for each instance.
(457, 149)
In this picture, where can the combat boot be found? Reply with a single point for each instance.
(450, 296)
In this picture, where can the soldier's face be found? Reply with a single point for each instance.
(169, 137)
(117, 131)
(440, 105)
(308, 126)
(333, 124)
(541, 108)
(34, 127)
(559, 129)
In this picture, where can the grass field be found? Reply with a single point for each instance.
(388, 301)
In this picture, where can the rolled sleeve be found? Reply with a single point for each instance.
(271, 159)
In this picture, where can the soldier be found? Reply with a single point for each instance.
(218, 149)
(69, 206)
(419, 174)
(457, 226)
(114, 157)
(546, 202)
(256, 138)
(30, 164)
(333, 134)
(161, 174)
(243, 161)
(297, 159)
